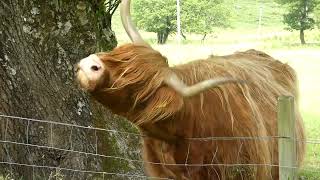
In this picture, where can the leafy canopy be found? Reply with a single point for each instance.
(202, 16)
(155, 15)
(299, 15)
(317, 14)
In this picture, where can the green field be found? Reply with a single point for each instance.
(271, 38)
(246, 13)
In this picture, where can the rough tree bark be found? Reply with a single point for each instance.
(40, 41)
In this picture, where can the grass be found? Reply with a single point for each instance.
(246, 13)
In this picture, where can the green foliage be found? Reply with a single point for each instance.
(317, 14)
(298, 17)
(245, 13)
(202, 16)
(198, 16)
(155, 15)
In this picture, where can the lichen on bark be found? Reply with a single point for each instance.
(40, 42)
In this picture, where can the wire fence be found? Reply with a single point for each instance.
(9, 118)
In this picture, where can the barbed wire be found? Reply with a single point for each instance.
(69, 125)
(134, 160)
(309, 141)
(82, 171)
(130, 175)
(5, 141)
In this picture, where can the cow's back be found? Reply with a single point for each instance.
(235, 110)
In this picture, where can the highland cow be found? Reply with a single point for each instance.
(222, 96)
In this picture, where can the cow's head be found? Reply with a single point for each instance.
(117, 76)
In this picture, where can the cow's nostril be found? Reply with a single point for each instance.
(95, 68)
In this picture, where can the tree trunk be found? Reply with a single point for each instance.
(302, 23)
(164, 33)
(302, 36)
(162, 37)
(183, 35)
(159, 37)
(40, 42)
(204, 37)
(165, 37)
(104, 34)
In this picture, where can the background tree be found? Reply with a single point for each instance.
(299, 16)
(40, 42)
(203, 16)
(156, 16)
(198, 16)
(317, 14)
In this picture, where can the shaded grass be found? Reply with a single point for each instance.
(310, 174)
(312, 125)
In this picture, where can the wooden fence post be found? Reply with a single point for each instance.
(287, 146)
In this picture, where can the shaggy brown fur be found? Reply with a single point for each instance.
(135, 90)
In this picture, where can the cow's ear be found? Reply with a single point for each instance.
(164, 104)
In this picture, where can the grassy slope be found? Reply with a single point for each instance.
(246, 13)
(273, 39)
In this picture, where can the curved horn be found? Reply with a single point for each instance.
(188, 91)
(128, 24)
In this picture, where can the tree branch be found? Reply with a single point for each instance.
(114, 7)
